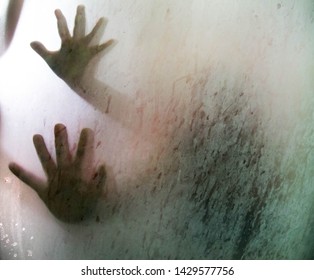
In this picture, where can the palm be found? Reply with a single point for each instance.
(70, 62)
(68, 193)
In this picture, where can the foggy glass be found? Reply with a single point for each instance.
(202, 115)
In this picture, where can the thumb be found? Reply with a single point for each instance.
(29, 179)
(40, 49)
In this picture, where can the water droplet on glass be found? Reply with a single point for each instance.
(2, 235)
(29, 253)
(7, 180)
(15, 255)
(14, 244)
(23, 229)
(7, 241)
(32, 237)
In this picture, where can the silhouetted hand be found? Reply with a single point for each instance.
(67, 193)
(70, 62)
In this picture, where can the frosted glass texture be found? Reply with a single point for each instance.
(207, 138)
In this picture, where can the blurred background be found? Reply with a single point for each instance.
(207, 143)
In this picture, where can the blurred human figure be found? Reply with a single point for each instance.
(68, 193)
(11, 10)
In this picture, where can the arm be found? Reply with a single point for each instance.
(68, 194)
(71, 62)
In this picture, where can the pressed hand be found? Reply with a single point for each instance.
(67, 193)
(70, 62)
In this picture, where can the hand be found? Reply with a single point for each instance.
(67, 193)
(70, 62)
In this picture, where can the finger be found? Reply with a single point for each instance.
(41, 50)
(44, 156)
(91, 35)
(62, 26)
(97, 49)
(29, 179)
(62, 147)
(99, 178)
(82, 147)
(80, 23)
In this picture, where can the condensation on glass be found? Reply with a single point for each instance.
(207, 142)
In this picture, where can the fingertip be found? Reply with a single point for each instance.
(109, 44)
(59, 128)
(86, 132)
(58, 12)
(35, 45)
(28, 178)
(110, 41)
(37, 138)
(102, 20)
(80, 8)
(84, 137)
(40, 49)
(14, 168)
